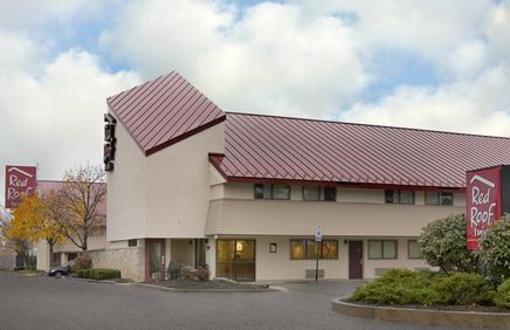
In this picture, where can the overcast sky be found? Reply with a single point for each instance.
(431, 64)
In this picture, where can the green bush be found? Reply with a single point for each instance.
(443, 244)
(83, 273)
(502, 298)
(495, 251)
(463, 289)
(103, 273)
(406, 287)
(399, 286)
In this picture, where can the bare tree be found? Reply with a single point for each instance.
(80, 208)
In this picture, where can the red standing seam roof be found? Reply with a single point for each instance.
(168, 109)
(163, 111)
(261, 147)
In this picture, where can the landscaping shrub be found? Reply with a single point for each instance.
(193, 274)
(502, 298)
(83, 273)
(463, 289)
(406, 287)
(495, 251)
(82, 261)
(103, 273)
(399, 286)
(443, 244)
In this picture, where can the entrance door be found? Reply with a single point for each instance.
(154, 259)
(235, 259)
(355, 259)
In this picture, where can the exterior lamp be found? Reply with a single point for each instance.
(239, 246)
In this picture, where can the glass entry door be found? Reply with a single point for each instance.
(154, 259)
(235, 259)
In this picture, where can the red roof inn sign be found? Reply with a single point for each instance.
(487, 198)
(19, 180)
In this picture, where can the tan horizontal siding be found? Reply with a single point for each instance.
(270, 217)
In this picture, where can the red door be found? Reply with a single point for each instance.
(355, 259)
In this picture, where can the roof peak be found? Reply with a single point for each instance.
(364, 124)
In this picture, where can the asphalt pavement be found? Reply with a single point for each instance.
(48, 303)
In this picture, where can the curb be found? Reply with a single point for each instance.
(423, 316)
(153, 286)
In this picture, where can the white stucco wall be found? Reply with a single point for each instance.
(165, 194)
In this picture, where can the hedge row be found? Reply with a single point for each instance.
(406, 287)
(98, 273)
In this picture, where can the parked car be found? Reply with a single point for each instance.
(60, 271)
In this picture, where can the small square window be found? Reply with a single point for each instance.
(407, 197)
(297, 249)
(330, 194)
(431, 198)
(281, 191)
(446, 198)
(413, 250)
(311, 193)
(389, 196)
(262, 191)
(133, 243)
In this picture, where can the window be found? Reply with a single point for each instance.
(399, 197)
(275, 191)
(413, 250)
(71, 256)
(382, 249)
(330, 194)
(308, 248)
(280, 191)
(439, 198)
(312, 193)
(133, 243)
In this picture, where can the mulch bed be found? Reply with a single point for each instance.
(485, 309)
(215, 284)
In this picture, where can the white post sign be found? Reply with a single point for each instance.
(318, 239)
(318, 234)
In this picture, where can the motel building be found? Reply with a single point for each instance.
(191, 184)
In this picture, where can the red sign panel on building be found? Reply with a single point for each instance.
(483, 202)
(19, 180)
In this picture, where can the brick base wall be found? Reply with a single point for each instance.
(130, 261)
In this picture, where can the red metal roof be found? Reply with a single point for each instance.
(168, 109)
(262, 147)
(164, 111)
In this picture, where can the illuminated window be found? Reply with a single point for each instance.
(307, 249)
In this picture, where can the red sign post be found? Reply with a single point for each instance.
(484, 201)
(19, 180)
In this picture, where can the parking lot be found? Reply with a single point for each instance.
(47, 303)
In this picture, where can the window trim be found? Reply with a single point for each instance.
(382, 249)
(306, 257)
(408, 250)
